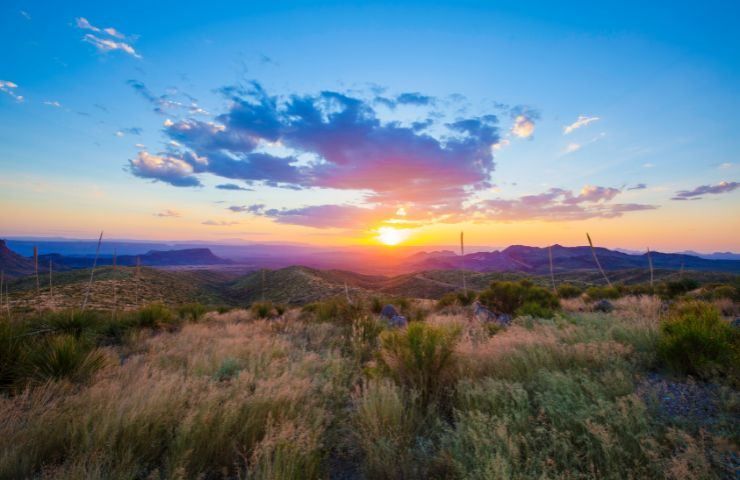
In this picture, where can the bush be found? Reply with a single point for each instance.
(336, 310)
(154, 316)
(602, 293)
(12, 336)
(421, 358)
(77, 323)
(452, 299)
(263, 309)
(510, 297)
(228, 369)
(535, 310)
(568, 290)
(191, 312)
(695, 340)
(62, 357)
(678, 287)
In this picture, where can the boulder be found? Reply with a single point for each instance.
(397, 321)
(735, 323)
(603, 306)
(484, 315)
(388, 312)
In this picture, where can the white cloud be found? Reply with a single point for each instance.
(10, 88)
(105, 45)
(726, 165)
(582, 121)
(523, 126)
(53, 103)
(168, 213)
(572, 147)
(25, 14)
(648, 165)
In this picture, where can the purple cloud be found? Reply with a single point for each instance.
(233, 186)
(721, 187)
(560, 205)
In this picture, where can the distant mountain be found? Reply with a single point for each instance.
(153, 258)
(12, 264)
(715, 255)
(521, 258)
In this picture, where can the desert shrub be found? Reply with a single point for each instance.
(595, 293)
(535, 310)
(452, 299)
(12, 340)
(677, 288)
(77, 323)
(386, 423)
(508, 297)
(191, 312)
(568, 290)
(62, 357)
(421, 358)
(154, 316)
(695, 340)
(363, 339)
(228, 369)
(336, 310)
(721, 292)
(263, 309)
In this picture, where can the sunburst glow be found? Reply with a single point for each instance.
(391, 236)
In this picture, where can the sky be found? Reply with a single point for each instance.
(356, 123)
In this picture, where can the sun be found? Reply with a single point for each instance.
(391, 236)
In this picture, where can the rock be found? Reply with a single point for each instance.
(486, 316)
(735, 323)
(388, 312)
(397, 321)
(603, 306)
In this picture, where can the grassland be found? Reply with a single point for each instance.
(330, 391)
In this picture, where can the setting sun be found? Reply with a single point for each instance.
(391, 236)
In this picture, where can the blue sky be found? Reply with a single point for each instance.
(655, 87)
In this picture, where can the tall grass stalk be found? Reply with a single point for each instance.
(2, 283)
(51, 285)
(650, 264)
(596, 259)
(552, 273)
(115, 283)
(92, 272)
(462, 263)
(36, 270)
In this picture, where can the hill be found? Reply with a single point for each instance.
(12, 264)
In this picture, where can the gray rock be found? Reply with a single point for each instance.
(388, 312)
(397, 321)
(735, 323)
(603, 306)
(486, 316)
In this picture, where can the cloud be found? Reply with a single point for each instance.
(726, 165)
(571, 147)
(165, 168)
(10, 88)
(25, 14)
(219, 223)
(167, 213)
(721, 187)
(53, 103)
(324, 216)
(582, 121)
(106, 45)
(648, 165)
(254, 209)
(233, 186)
(560, 205)
(333, 140)
(523, 127)
(114, 41)
(173, 101)
(639, 186)
(132, 130)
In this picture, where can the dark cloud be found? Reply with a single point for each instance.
(639, 186)
(721, 187)
(233, 186)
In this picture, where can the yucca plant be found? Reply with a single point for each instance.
(63, 357)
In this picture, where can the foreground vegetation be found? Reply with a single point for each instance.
(329, 391)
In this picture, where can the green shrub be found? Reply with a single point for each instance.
(678, 287)
(154, 316)
(695, 340)
(263, 309)
(363, 339)
(229, 368)
(602, 293)
(535, 310)
(451, 299)
(77, 323)
(12, 340)
(421, 358)
(62, 357)
(568, 290)
(509, 297)
(336, 310)
(725, 291)
(191, 312)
